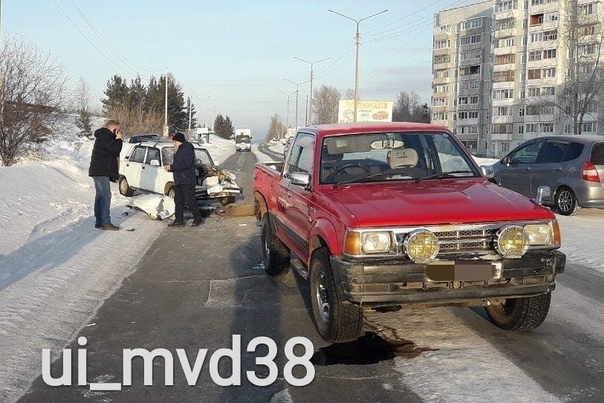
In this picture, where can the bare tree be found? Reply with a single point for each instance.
(349, 94)
(32, 93)
(580, 33)
(277, 128)
(408, 108)
(136, 119)
(325, 105)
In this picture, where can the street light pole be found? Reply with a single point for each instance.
(297, 91)
(166, 107)
(309, 122)
(1, 74)
(287, 111)
(356, 67)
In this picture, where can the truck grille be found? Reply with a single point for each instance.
(474, 240)
(466, 239)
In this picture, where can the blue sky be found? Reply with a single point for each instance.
(233, 56)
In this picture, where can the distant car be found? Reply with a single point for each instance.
(141, 168)
(571, 166)
(274, 141)
(139, 138)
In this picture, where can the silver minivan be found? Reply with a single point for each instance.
(571, 166)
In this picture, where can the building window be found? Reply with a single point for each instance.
(474, 100)
(587, 9)
(548, 73)
(469, 40)
(588, 127)
(508, 23)
(505, 147)
(505, 59)
(547, 127)
(534, 55)
(549, 54)
(503, 94)
(471, 24)
(506, 5)
(550, 35)
(444, 44)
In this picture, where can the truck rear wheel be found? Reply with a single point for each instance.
(274, 253)
(520, 314)
(336, 321)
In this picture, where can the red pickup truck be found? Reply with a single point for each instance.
(391, 215)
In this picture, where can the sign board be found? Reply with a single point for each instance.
(367, 111)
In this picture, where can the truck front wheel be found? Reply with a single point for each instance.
(274, 253)
(336, 321)
(520, 314)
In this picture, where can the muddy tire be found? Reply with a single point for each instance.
(124, 187)
(566, 201)
(520, 314)
(171, 192)
(275, 254)
(336, 321)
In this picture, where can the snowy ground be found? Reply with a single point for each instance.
(56, 269)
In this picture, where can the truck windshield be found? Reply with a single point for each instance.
(370, 157)
(242, 139)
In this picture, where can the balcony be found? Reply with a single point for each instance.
(502, 136)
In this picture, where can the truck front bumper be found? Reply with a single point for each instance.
(387, 283)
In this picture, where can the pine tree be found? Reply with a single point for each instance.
(84, 123)
(116, 93)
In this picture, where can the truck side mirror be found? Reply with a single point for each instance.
(300, 179)
(543, 192)
(487, 171)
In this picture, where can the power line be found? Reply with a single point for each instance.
(96, 31)
(87, 38)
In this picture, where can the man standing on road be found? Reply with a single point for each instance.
(104, 169)
(183, 169)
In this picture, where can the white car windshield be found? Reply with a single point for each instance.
(202, 156)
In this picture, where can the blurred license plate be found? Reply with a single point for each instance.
(460, 271)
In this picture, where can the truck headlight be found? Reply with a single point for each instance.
(421, 246)
(358, 243)
(512, 241)
(375, 242)
(547, 234)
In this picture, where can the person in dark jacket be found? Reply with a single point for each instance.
(104, 169)
(183, 169)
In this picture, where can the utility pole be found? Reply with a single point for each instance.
(309, 113)
(297, 91)
(190, 115)
(1, 74)
(166, 132)
(356, 66)
(287, 112)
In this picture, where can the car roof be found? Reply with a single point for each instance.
(582, 138)
(167, 143)
(372, 127)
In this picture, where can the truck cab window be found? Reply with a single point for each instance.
(301, 157)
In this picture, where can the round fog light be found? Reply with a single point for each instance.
(512, 242)
(421, 246)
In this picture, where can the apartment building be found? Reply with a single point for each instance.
(461, 72)
(539, 55)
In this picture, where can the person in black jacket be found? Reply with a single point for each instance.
(104, 169)
(183, 169)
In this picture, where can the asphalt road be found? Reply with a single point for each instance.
(197, 287)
